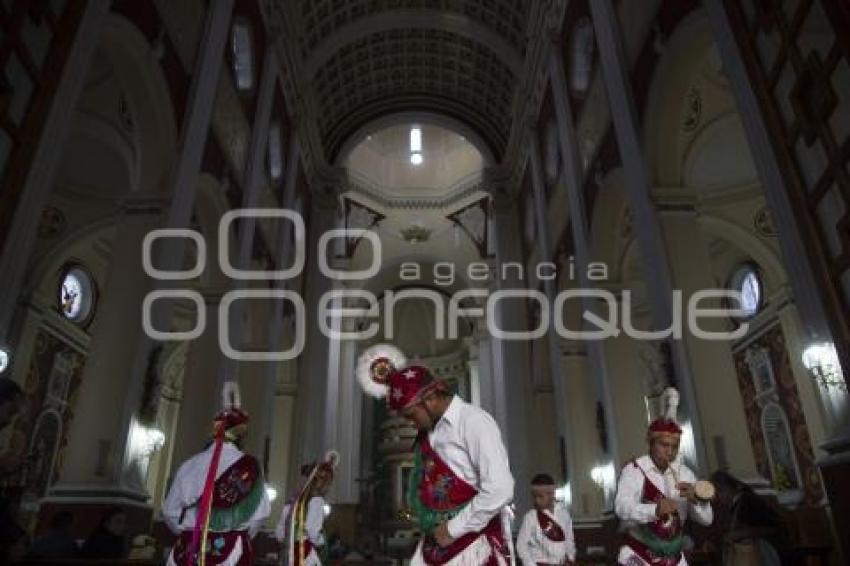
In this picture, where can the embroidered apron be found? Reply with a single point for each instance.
(236, 495)
(436, 494)
(659, 543)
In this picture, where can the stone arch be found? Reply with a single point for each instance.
(687, 94)
(124, 135)
(744, 240)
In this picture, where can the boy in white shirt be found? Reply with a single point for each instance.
(546, 534)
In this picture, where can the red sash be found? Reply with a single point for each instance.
(441, 490)
(664, 529)
(550, 527)
(219, 547)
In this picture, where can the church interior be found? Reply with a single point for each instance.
(593, 164)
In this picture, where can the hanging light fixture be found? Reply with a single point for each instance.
(822, 362)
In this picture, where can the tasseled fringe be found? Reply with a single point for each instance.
(478, 553)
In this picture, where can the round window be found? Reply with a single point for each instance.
(76, 295)
(747, 282)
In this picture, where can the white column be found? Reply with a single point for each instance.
(283, 252)
(183, 185)
(656, 270)
(545, 246)
(488, 378)
(580, 228)
(348, 426)
(509, 358)
(252, 183)
(715, 377)
(588, 498)
(201, 399)
(38, 184)
(472, 367)
(317, 384)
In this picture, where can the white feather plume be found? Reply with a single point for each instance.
(364, 367)
(333, 458)
(670, 403)
(230, 396)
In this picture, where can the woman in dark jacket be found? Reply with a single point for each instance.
(109, 539)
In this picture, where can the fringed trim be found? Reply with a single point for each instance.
(479, 553)
(231, 518)
(428, 518)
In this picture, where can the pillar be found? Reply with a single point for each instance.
(588, 497)
(509, 371)
(580, 229)
(713, 368)
(544, 241)
(183, 186)
(201, 398)
(315, 428)
(656, 272)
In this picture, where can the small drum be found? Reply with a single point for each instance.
(704, 490)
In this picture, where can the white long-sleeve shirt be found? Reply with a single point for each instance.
(632, 512)
(315, 516)
(469, 442)
(188, 484)
(534, 546)
(314, 519)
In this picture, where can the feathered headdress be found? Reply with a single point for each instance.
(375, 366)
(667, 422)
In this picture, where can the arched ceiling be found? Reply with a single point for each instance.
(362, 59)
(424, 68)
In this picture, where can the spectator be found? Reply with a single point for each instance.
(11, 399)
(56, 542)
(109, 539)
(753, 532)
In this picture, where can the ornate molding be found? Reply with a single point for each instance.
(361, 185)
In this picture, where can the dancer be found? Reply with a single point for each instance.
(656, 495)
(217, 501)
(300, 526)
(461, 483)
(546, 534)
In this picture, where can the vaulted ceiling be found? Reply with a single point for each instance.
(354, 61)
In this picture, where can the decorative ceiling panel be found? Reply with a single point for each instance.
(413, 63)
(320, 18)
